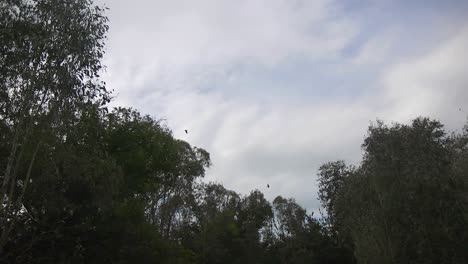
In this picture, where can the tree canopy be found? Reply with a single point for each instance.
(406, 202)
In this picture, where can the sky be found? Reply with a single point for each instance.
(275, 88)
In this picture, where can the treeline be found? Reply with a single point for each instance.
(118, 188)
(82, 183)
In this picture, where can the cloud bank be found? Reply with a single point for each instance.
(272, 89)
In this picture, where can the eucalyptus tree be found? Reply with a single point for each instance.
(50, 53)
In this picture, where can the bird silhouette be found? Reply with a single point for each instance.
(186, 132)
(268, 185)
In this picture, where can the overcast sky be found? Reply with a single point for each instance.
(274, 88)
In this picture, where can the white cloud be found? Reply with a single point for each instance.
(172, 44)
(258, 31)
(435, 84)
(376, 50)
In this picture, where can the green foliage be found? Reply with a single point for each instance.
(50, 55)
(404, 203)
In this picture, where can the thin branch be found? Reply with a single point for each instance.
(6, 231)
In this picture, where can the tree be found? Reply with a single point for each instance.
(332, 177)
(403, 203)
(73, 184)
(158, 169)
(50, 54)
(216, 213)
